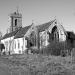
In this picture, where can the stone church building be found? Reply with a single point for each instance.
(21, 38)
(41, 35)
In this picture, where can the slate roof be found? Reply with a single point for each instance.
(7, 35)
(44, 26)
(22, 32)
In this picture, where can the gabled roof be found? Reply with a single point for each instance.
(7, 35)
(22, 32)
(44, 26)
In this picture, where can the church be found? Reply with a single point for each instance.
(38, 36)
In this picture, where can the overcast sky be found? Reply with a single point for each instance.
(40, 11)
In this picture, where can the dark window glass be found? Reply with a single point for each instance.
(15, 22)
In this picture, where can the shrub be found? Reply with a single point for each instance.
(32, 50)
(54, 48)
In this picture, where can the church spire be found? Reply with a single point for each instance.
(32, 22)
(17, 9)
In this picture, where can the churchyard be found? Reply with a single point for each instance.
(37, 64)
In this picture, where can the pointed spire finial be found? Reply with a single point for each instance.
(32, 22)
(55, 17)
(17, 9)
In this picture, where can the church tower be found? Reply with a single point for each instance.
(15, 21)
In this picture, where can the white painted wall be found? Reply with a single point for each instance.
(7, 46)
(20, 45)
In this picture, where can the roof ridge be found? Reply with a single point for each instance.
(10, 34)
(44, 26)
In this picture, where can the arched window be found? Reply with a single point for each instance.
(15, 22)
(55, 33)
(33, 39)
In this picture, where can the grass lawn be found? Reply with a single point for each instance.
(36, 65)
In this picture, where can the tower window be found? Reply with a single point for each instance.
(15, 22)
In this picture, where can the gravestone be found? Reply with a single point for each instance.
(73, 55)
